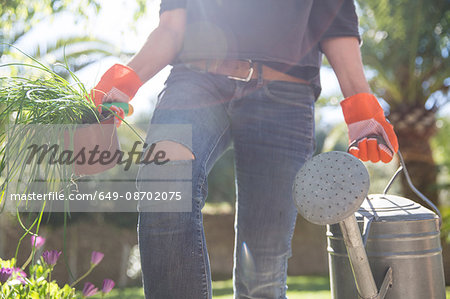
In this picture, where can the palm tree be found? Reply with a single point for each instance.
(406, 43)
(77, 51)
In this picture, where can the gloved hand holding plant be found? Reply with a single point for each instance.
(118, 85)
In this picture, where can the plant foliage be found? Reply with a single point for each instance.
(407, 43)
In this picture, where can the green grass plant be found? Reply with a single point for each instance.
(44, 108)
(27, 106)
(44, 97)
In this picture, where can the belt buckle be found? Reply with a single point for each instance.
(249, 76)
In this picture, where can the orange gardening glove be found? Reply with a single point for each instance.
(121, 115)
(366, 121)
(118, 84)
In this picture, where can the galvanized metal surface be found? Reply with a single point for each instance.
(365, 283)
(404, 236)
(330, 187)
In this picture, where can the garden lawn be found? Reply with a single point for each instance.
(299, 287)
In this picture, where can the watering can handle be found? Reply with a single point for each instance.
(406, 173)
(379, 139)
(411, 185)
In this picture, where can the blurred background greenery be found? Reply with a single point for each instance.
(405, 49)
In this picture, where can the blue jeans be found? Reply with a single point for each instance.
(271, 128)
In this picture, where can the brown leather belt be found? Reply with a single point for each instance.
(242, 70)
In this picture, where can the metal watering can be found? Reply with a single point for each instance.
(379, 246)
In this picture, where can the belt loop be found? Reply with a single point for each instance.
(260, 75)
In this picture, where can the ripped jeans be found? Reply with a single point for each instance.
(271, 128)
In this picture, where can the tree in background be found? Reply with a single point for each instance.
(406, 43)
(17, 19)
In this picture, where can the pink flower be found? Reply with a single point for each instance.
(5, 274)
(89, 289)
(96, 258)
(37, 241)
(20, 275)
(108, 285)
(51, 257)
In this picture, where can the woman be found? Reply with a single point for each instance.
(246, 74)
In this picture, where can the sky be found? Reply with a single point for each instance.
(113, 23)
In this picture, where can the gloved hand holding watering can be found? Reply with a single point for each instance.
(331, 187)
(365, 119)
(116, 88)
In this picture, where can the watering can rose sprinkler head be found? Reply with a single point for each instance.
(329, 189)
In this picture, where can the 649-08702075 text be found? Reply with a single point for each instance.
(102, 196)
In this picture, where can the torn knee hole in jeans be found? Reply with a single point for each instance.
(168, 150)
